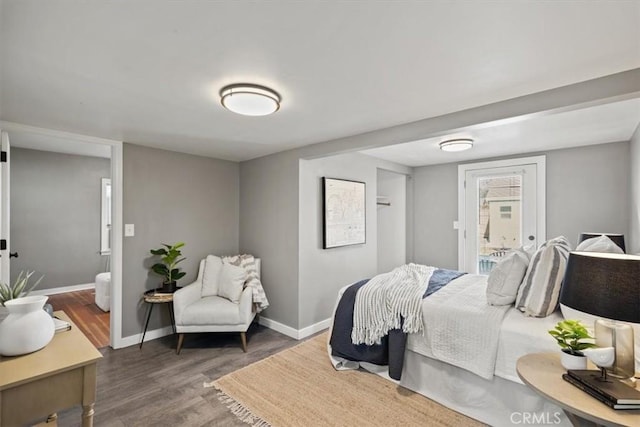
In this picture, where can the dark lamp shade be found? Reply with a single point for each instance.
(603, 284)
(618, 239)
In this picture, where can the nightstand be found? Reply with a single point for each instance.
(543, 373)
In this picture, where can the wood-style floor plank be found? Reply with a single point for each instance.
(81, 308)
(153, 386)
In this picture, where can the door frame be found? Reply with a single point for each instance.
(115, 327)
(541, 206)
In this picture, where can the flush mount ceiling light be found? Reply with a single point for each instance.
(458, 144)
(249, 100)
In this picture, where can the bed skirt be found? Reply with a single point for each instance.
(497, 402)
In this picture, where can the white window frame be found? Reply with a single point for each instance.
(541, 204)
(105, 216)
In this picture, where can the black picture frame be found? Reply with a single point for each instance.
(343, 213)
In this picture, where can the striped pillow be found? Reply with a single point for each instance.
(538, 295)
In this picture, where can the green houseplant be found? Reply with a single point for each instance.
(19, 287)
(171, 256)
(572, 337)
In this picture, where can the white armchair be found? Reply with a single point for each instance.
(194, 313)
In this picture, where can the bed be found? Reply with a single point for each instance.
(485, 385)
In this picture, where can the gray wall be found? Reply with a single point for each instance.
(269, 229)
(324, 271)
(392, 220)
(172, 197)
(633, 242)
(55, 216)
(587, 190)
(435, 207)
(280, 221)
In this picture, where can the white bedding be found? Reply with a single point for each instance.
(517, 335)
(460, 327)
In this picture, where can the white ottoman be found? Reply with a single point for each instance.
(103, 291)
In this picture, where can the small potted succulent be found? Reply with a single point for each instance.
(171, 256)
(19, 287)
(573, 338)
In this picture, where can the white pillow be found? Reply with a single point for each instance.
(505, 278)
(599, 244)
(211, 276)
(232, 280)
(538, 295)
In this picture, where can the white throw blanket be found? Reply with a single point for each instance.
(248, 262)
(388, 298)
(461, 328)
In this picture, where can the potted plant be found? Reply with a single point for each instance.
(573, 338)
(19, 287)
(167, 268)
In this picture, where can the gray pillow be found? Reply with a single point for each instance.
(599, 244)
(538, 295)
(232, 280)
(505, 278)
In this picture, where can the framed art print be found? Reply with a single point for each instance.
(343, 212)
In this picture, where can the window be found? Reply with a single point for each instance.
(105, 217)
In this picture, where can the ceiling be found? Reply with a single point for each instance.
(149, 72)
(613, 122)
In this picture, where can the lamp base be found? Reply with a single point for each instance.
(619, 335)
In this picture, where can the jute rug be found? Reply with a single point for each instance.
(299, 387)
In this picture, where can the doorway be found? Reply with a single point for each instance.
(43, 163)
(501, 207)
(391, 205)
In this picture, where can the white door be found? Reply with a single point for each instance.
(4, 209)
(503, 209)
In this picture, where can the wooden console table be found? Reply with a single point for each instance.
(57, 377)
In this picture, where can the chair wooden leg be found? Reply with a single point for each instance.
(180, 341)
(243, 338)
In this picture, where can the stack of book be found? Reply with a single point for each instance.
(61, 325)
(612, 392)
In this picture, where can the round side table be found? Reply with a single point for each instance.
(543, 373)
(158, 296)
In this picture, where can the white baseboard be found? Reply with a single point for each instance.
(63, 289)
(264, 321)
(294, 333)
(150, 335)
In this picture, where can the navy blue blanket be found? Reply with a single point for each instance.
(391, 350)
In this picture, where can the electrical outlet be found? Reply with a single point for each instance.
(129, 230)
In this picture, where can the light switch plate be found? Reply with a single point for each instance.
(129, 230)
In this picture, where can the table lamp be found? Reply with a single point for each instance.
(607, 287)
(618, 239)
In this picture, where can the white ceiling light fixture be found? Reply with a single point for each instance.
(249, 99)
(458, 144)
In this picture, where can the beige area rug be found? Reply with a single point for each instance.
(299, 387)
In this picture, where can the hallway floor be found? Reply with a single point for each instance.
(82, 310)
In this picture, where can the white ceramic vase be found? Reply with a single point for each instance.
(27, 328)
(570, 361)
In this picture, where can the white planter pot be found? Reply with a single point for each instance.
(570, 361)
(27, 328)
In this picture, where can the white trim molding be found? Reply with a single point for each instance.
(297, 334)
(63, 289)
(150, 335)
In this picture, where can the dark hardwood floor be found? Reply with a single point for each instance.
(83, 311)
(153, 386)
